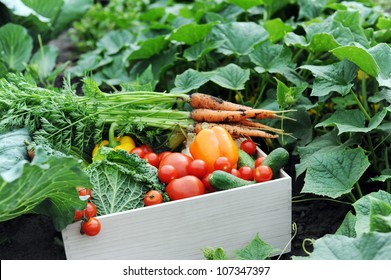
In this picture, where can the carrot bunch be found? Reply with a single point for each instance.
(238, 120)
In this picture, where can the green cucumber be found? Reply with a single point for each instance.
(276, 160)
(245, 159)
(221, 180)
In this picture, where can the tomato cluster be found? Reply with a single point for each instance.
(90, 225)
(260, 173)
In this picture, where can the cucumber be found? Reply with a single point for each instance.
(221, 180)
(276, 160)
(245, 159)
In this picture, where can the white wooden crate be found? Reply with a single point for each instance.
(181, 229)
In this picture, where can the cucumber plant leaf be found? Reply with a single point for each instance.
(353, 121)
(199, 50)
(15, 46)
(190, 79)
(368, 246)
(239, 37)
(231, 76)
(190, 33)
(257, 249)
(334, 173)
(336, 77)
(347, 227)
(149, 48)
(246, 4)
(277, 29)
(310, 9)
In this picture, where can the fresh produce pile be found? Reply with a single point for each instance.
(136, 158)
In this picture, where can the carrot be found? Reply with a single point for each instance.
(209, 115)
(205, 101)
(258, 125)
(236, 130)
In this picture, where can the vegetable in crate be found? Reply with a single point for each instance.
(121, 181)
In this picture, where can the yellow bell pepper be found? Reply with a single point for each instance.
(211, 143)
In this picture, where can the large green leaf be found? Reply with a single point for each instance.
(115, 40)
(45, 186)
(353, 121)
(149, 48)
(231, 76)
(190, 79)
(239, 37)
(190, 33)
(310, 9)
(347, 228)
(15, 46)
(336, 77)
(367, 205)
(277, 29)
(369, 246)
(334, 173)
(380, 215)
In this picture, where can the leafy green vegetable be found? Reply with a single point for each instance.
(13, 148)
(120, 180)
(15, 46)
(46, 186)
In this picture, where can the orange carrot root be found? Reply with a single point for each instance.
(205, 101)
(236, 130)
(258, 125)
(209, 115)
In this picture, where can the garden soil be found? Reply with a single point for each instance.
(33, 237)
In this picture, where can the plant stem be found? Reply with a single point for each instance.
(352, 197)
(358, 188)
(387, 161)
(364, 91)
(367, 116)
(324, 199)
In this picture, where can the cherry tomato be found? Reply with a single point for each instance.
(236, 173)
(247, 173)
(90, 210)
(91, 227)
(78, 215)
(153, 159)
(205, 181)
(223, 163)
(162, 155)
(146, 149)
(263, 173)
(153, 197)
(167, 173)
(197, 168)
(248, 146)
(179, 161)
(184, 187)
(259, 161)
(138, 151)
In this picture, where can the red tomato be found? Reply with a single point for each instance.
(138, 151)
(236, 173)
(184, 187)
(248, 146)
(223, 163)
(197, 168)
(90, 227)
(90, 210)
(263, 173)
(179, 161)
(259, 161)
(247, 173)
(78, 215)
(84, 191)
(162, 155)
(153, 197)
(153, 159)
(167, 173)
(146, 149)
(205, 181)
